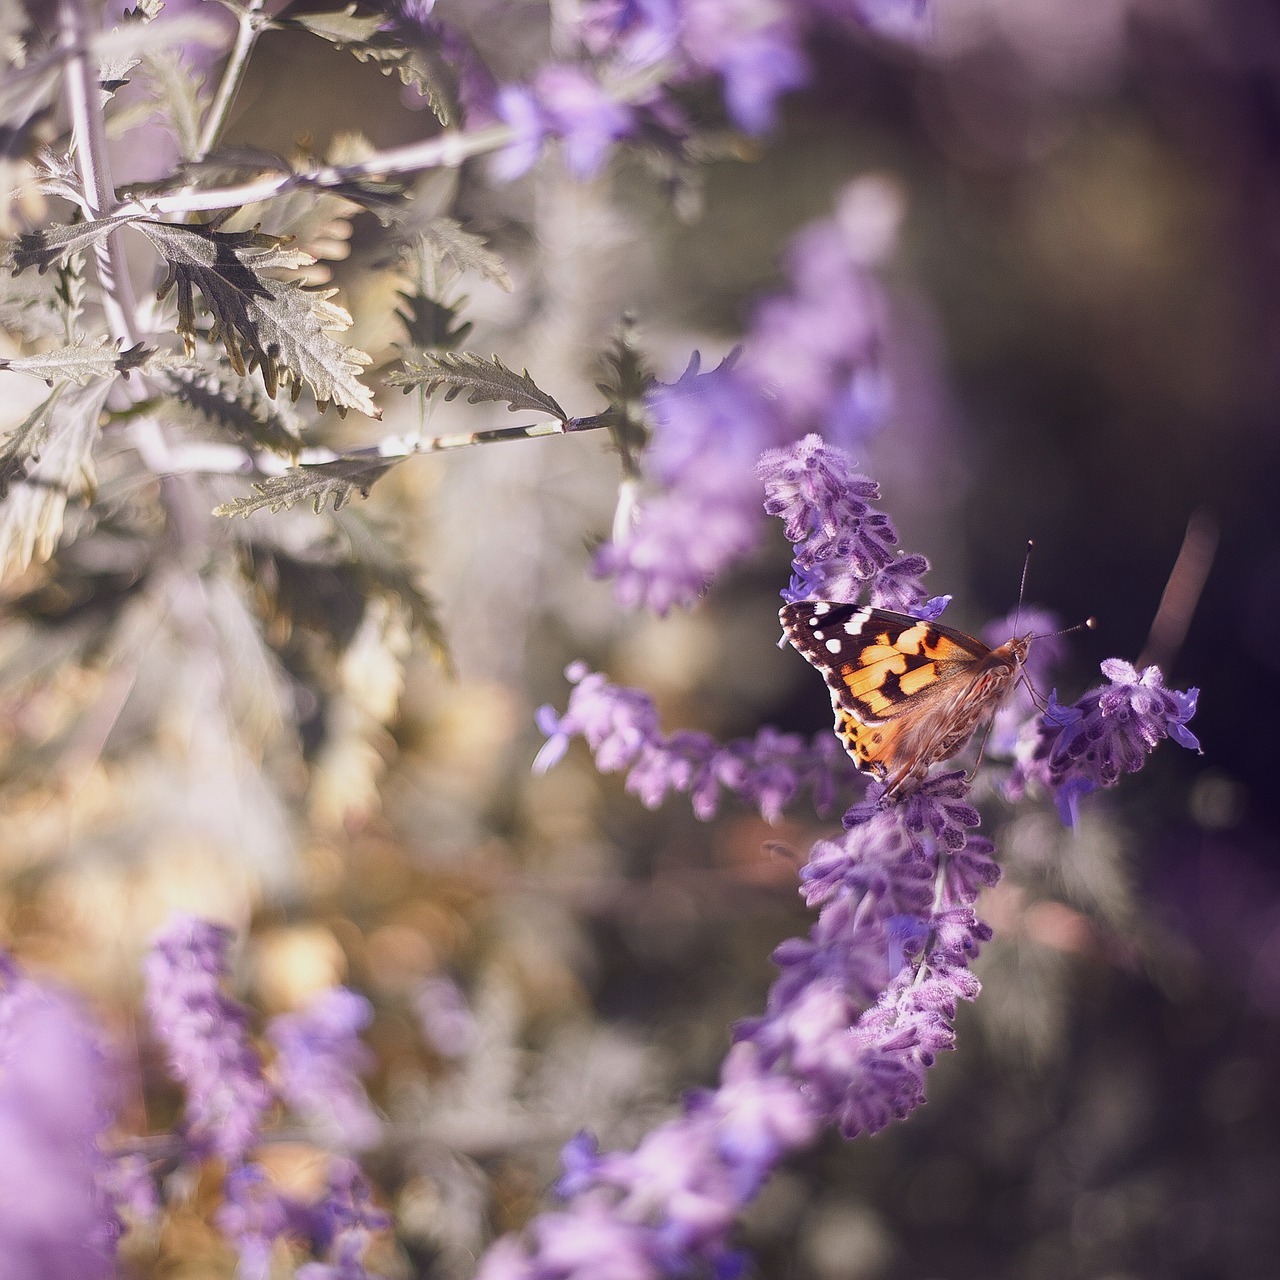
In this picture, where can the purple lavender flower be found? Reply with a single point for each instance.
(621, 727)
(206, 1037)
(843, 545)
(813, 360)
(579, 111)
(754, 46)
(55, 1223)
(318, 1064)
(1076, 750)
(707, 432)
(337, 1227)
(516, 106)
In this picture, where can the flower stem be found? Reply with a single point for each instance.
(252, 24)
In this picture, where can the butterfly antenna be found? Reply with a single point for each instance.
(1022, 586)
(1087, 625)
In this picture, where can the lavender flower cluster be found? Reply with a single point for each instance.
(58, 1109)
(864, 1004)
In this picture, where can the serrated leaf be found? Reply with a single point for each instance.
(274, 324)
(379, 566)
(429, 323)
(19, 448)
(178, 91)
(420, 64)
(483, 380)
(447, 237)
(318, 484)
(31, 517)
(30, 307)
(240, 408)
(49, 246)
(81, 362)
(626, 383)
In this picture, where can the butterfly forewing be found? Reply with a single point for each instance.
(907, 692)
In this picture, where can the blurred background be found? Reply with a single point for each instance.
(1086, 320)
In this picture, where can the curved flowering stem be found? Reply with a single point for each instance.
(858, 1014)
(620, 725)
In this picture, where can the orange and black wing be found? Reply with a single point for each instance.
(887, 672)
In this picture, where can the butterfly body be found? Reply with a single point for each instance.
(907, 692)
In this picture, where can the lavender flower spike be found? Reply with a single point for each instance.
(844, 547)
(621, 726)
(206, 1036)
(1079, 749)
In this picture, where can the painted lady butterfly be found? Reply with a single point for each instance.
(907, 693)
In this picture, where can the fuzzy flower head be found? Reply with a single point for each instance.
(1079, 749)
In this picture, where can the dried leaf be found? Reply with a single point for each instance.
(317, 484)
(482, 379)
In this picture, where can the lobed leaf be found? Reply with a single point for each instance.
(50, 246)
(240, 408)
(273, 324)
(317, 484)
(18, 450)
(420, 64)
(484, 380)
(447, 237)
(81, 362)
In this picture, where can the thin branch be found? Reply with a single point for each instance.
(84, 102)
(252, 24)
(210, 458)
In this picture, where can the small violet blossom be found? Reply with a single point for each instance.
(319, 1060)
(1075, 750)
(205, 1034)
(621, 727)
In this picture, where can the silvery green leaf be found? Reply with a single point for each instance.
(81, 362)
(318, 484)
(482, 379)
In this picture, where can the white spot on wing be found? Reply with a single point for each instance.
(833, 646)
(817, 635)
(823, 606)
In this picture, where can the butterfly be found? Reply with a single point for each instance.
(907, 692)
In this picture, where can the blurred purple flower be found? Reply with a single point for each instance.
(517, 107)
(819, 349)
(320, 1058)
(337, 1227)
(634, 32)
(1079, 749)
(205, 1034)
(444, 1017)
(708, 429)
(812, 360)
(55, 1086)
(621, 727)
(843, 546)
(754, 45)
(564, 102)
(1044, 657)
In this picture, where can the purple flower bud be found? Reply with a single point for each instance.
(621, 727)
(444, 1017)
